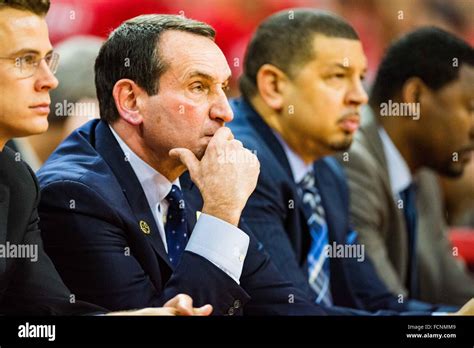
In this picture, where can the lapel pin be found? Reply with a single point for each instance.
(144, 227)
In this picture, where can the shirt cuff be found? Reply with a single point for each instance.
(437, 314)
(221, 243)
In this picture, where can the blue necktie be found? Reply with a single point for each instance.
(318, 262)
(408, 196)
(176, 227)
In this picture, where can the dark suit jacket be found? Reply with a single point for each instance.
(443, 278)
(274, 213)
(27, 287)
(91, 208)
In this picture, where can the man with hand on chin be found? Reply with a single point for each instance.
(121, 227)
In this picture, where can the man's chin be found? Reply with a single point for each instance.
(342, 145)
(34, 129)
(39, 127)
(454, 170)
(200, 153)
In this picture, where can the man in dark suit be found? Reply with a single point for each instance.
(29, 283)
(120, 227)
(300, 105)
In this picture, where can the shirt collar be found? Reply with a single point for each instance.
(155, 185)
(298, 167)
(398, 171)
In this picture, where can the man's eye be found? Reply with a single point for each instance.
(28, 59)
(198, 87)
(338, 76)
(48, 58)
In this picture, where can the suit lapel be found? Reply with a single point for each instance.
(373, 142)
(265, 133)
(109, 149)
(301, 240)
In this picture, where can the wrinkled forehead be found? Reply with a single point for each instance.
(22, 30)
(186, 53)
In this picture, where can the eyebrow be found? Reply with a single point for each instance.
(342, 66)
(205, 76)
(29, 50)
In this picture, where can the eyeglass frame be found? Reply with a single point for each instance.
(54, 58)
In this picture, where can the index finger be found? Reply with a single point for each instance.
(222, 134)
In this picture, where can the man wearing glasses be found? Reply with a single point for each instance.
(29, 283)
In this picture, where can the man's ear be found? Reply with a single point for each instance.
(271, 83)
(125, 93)
(413, 89)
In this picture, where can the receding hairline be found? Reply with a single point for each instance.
(165, 57)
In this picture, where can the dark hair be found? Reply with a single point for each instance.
(429, 53)
(38, 7)
(285, 40)
(132, 52)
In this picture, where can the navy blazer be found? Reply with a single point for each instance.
(100, 232)
(274, 213)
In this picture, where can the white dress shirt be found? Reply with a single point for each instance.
(221, 243)
(398, 171)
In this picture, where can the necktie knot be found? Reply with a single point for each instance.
(175, 198)
(409, 193)
(309, 193)
(308, 182)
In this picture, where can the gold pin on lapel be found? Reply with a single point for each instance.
(144, 227)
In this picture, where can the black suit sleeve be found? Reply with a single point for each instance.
(35, 287)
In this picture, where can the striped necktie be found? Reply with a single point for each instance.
(318, 262)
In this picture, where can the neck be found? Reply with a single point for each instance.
(160, 161)
(401, 140)
(274, 119)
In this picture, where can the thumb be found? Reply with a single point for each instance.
(186, 157)
(203, 311)
(182, 303)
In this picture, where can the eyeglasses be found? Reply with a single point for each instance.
(27, 65)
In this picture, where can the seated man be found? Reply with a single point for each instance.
(29, 283)
(300, 105)
(120, 228)
(423, 100)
